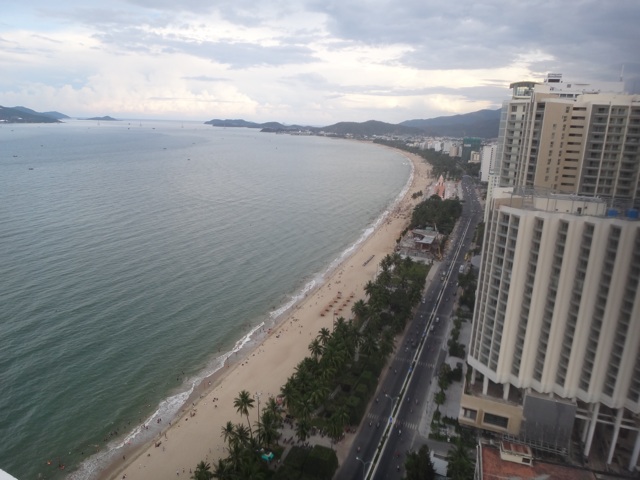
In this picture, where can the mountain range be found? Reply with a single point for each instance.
(26, 115)
(482, 124)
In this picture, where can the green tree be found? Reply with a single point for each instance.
(440, 398)
(268, 428)
(461, 465)
(315, 347)
(228, 432)
(222, 470)
(303, 429)
(243, 402)
(334, 430)
(324, 335)
(202, 472)
(359, 309)
(419, 465)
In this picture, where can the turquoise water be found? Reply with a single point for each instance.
(135, 256)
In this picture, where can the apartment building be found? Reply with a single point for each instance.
(572, 138)
(555, 341)
(556, 327)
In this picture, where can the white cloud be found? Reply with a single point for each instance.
(313, 61)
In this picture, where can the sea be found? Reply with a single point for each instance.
(135, 256)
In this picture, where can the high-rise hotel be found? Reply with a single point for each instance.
(555, 344)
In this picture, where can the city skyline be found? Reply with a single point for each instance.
(308, 62)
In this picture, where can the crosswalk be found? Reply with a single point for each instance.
(410, 359)
(399, 424)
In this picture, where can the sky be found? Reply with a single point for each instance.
(309, 62)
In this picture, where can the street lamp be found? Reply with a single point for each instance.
(364, 466)
(257, 396)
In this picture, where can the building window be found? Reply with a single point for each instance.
(470, 413)
(497, 420)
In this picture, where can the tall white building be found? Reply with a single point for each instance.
(487, 161)
(556, 328)
(572, 138)
(557, 320)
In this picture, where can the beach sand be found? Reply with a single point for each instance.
(195, 435)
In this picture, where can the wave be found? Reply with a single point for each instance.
(318, 280)
(170, 408)
(167, 410)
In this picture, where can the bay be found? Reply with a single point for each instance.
(136, 255)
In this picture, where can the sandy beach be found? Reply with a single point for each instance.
(195, 435)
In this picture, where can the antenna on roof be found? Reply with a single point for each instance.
(622, 73)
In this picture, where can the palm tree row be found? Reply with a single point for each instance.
(311, 393)
(314, 394)
(245, 444)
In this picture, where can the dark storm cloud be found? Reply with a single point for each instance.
(488, 34)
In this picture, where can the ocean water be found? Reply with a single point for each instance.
(135, 256)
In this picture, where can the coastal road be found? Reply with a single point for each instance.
(403, 390)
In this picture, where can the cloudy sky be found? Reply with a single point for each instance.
(313, 62)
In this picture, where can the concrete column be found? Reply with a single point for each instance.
(473, 376)
(585, 428)
(505, 391)
(616, 431)
(592, 429)
(485, 385)
(636, 452)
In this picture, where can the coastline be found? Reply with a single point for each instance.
(263, 364)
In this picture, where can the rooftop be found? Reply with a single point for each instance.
(493, 468)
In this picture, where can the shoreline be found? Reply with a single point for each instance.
(262, 364)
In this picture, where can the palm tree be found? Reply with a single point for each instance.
(324, 335)
(271, 406)
(268, 429)
(359, 309)
(228, 432)
(460, 465)
(243, 402)
(319, 392)
(419, 465)
(334, 430)
(243, 435)
(303, 429)
(342, 416)
(315, 347)
(202, 472)
(340, 326)
(369, 345)
(222, 471)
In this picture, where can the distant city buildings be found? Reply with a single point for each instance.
(487, 160)
(555, 344)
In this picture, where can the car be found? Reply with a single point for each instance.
(437, 319)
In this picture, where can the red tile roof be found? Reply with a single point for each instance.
(494, 468)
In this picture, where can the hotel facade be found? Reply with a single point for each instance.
(555, 343)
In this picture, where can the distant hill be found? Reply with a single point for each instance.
(24, 115)
(483, 124)
(55, 115)
(370, 128)
(106, 118)
(268, 126)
